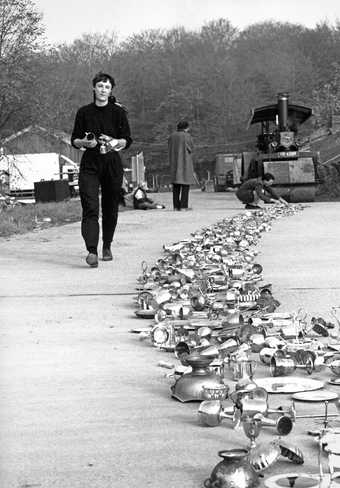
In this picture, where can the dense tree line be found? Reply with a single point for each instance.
(211, 76)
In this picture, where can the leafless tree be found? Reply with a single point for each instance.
(20, 32)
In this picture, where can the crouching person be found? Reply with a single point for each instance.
(252, 191)
(141, 201)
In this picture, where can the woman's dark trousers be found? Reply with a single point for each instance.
(180, 195)
(107, 176)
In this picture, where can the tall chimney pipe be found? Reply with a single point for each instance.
(282, 108)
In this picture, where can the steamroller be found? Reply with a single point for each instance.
(279, 152)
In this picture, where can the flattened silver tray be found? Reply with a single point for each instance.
(288, 384)
(315, 396)
(334, 381)
(293, 480)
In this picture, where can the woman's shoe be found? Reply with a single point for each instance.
(92, 260)
(107, 254)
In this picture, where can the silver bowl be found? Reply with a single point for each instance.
(218, 392)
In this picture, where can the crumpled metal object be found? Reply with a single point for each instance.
(262, 457)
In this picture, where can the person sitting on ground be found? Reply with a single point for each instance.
(254, 190)
(141, 201)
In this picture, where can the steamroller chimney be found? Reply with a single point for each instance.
(282, 109)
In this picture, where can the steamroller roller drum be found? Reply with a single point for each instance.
(301, 194)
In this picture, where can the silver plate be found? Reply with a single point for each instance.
(294, 480)
(315, 396)
(334, 381)
(288, 384)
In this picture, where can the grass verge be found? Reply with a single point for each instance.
(26, 218)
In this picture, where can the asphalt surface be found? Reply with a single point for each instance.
(84, 403)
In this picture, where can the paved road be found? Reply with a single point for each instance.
(83, 402)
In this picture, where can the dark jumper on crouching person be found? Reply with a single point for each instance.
(253, 190)
(102, 129)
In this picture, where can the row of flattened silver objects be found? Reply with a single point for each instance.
(209, 307)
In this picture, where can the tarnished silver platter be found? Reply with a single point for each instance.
(288, 384)
(295, 480)
(315, 396)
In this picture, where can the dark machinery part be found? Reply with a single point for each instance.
(279, 152)
(282, 107)
(224, 171)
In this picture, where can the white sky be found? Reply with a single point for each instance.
(65, 20)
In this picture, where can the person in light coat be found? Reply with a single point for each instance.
(180, 147)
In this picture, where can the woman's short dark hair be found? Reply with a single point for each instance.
(103, 77)
(183, 124)
(268, 177)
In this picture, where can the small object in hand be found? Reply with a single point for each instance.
(165, 364)
(103, 148)
(89, 136)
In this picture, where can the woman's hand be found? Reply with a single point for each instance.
(104, 138)
(90, 144)
(87, 143)
(117, 144)
(121, 144)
